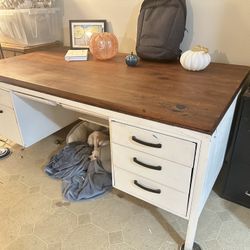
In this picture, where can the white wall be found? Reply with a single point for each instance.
(221, 25)
(121, 16)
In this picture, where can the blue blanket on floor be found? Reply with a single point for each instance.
(82, 178)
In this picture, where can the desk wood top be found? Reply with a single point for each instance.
(162, 92)
(26, 48)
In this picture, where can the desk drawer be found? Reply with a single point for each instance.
(5, 98)
(8, 124)
(160, 145)
(156, 169)
(164, 197)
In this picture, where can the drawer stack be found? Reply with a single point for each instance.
(152, 166)
(8, 122)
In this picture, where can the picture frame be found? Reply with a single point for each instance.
(82, 30)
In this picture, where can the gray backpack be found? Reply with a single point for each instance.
(160, 29)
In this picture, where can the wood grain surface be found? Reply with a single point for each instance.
(28, 48)
(163, 92)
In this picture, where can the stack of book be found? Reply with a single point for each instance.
(77, 55)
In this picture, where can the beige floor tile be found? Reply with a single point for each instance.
(15, 163)
(55, 246)
(169, 217)
(138, 203)
(51, 188)
(12, 193)
(60, 203)
(4, 213)
(29, 242)
(177, 231)
(174, 225)
(142, 231)
(33, 176)
(213, 245)
(31, 209)
(216, 204)
(84, 219)
(13, 178)
(27, 229)
(233, 235)
(240, 214)
(71, 248)
(9, 229)
(113, 193)
(169, 246)
(225, 215)
(121, 246)
(109, 224)
(4, 177)
(247, 244)
(32, 179)
(56, 226)
(84, 207)
(34, 190)
(115, 237)
(43, 150)
(209, 226)
(86, 237)
(112, 213)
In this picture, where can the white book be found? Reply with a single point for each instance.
(77, 55)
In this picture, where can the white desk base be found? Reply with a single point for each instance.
(208, 156)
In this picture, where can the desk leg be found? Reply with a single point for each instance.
(195, 247)
(190, 236)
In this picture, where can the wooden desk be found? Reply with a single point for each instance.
(13, 49)
(159, 114)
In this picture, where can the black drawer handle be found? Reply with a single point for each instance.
(247, 193)
(152, 145)
(156, 191)
(146, 165)
(1, 111)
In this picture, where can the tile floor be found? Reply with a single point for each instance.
(33, 215)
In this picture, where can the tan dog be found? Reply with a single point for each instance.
(98, 140)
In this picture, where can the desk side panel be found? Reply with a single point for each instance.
(38, 120)
(217, 153)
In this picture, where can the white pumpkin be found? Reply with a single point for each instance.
(195, 59)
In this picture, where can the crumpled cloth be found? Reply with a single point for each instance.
(93, 183)
(82, 178)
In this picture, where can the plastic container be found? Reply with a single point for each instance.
(30, 26)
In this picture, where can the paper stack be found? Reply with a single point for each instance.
(77, 55)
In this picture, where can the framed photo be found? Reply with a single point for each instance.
(82, 30)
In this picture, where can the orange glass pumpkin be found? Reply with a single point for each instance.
(103, 46)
